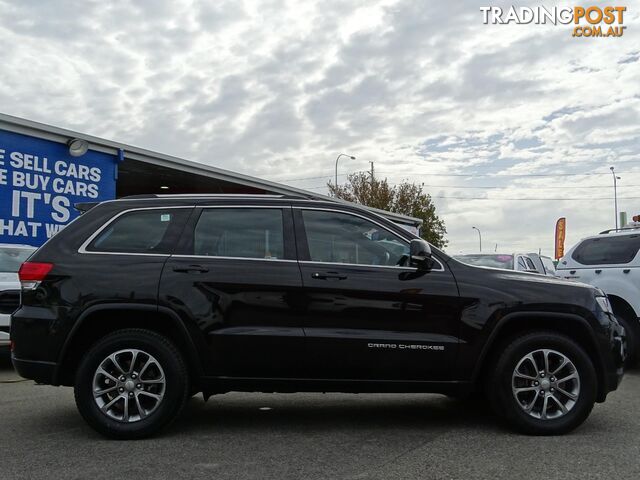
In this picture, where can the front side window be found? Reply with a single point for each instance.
(240, 232)
(141, 231)
(342, 238)
(607, 250)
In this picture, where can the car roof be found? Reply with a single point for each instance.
(623, 232)
(226, 198)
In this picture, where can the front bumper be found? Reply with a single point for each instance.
(617, 356)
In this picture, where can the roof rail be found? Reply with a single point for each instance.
(212, 195)
(83, 207)
(618, 229)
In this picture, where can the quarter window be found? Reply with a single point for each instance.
(141, 231)
(240, 232)
(341, 238)
(607, 250)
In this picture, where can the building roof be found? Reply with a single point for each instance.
(61, 135)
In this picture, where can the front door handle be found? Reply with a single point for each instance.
(191, 269)
(328, 276)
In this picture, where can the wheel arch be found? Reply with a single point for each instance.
(100, 320)
(624, 291)
(573, 326)
(622, 307)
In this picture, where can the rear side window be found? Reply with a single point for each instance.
(240, 233)
(607, 250)
(142, 231)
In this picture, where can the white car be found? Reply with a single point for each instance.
(11, 257)
(543, 264)
(611, 262)
(509, 261)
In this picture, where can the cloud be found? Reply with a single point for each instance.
(277, 89)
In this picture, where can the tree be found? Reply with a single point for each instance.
(405, 198)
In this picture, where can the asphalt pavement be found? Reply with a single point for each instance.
(313, 436)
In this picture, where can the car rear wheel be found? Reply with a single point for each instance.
(543, 383)
(131, 384)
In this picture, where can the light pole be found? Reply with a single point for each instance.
(479, 236)
(615, 194)
(338, 158)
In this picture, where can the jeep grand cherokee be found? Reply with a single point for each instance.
(142, 302)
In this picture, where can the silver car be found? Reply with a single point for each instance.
(11, 257)
(508, 261)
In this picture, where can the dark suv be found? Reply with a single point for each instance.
(142, 302)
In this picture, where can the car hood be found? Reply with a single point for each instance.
(538, 278)
(513, 286)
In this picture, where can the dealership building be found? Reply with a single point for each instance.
(46, 170)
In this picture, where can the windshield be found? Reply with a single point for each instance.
(495, 261)
(12, 257)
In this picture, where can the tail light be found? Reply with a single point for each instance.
(32, 273)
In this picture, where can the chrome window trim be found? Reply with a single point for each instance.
(366, 265)
(272, 207)
(83, 248)
(286, 260)
(346, 212)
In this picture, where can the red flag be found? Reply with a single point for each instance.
(561, 230)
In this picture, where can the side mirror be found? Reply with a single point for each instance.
(420, 254)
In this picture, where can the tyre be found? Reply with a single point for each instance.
(131, 384)
(543, 383)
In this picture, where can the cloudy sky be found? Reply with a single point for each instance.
(507, 126)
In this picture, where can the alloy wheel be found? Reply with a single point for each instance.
(545, 384)
(129, 385)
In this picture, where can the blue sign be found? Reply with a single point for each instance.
(40, 182)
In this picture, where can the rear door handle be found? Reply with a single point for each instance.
(191, 269)
(328, 276)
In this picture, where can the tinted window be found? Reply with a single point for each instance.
(495, 261)
(341, 238)
(530, 264)
(12, 257)
(240, 232)
(607, 250)
(142, 231)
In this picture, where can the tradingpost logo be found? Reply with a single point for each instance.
(591, 21)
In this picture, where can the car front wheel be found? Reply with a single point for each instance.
(543, 383)
(131, 384)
